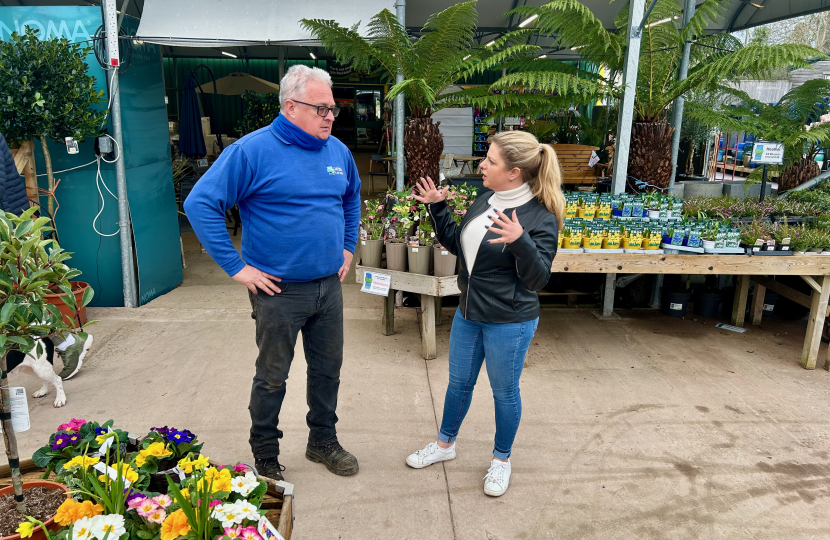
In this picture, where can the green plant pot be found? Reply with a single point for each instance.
(444, 261)
(371, 252)
(419, 259)
(396, 256)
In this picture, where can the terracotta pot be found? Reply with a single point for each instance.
(445, 262)
(50, 524)
(419, 259)
(72, 319)
(396, 256)
(371, 253)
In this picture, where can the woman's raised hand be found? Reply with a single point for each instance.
(428, 192)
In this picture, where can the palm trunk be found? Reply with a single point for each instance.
(649, 157)
(9, 437)
(798, 173)
(423, 145)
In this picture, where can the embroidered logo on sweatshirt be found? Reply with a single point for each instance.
(334, 170)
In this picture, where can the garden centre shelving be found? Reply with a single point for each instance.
(482, 130)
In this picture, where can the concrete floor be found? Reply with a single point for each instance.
(647, 427)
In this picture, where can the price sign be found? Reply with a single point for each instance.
(19, 410)
(375, 283)
(768, 153)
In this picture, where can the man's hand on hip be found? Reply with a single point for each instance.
(348, 256)
(256, 279)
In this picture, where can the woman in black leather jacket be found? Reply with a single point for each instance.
(506, 241)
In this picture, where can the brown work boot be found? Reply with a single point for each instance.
(334, 457)
(270, 468)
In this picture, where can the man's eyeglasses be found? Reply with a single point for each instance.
(321, 110)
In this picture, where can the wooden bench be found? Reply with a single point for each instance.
(573, 160)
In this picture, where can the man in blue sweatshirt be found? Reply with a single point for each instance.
(298, 193)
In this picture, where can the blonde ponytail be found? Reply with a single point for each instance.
(539, 166)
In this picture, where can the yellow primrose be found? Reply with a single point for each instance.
(201, 462)
(221, 479)
(157, 449)
(81, 461)
(140, 460)
(26, 529)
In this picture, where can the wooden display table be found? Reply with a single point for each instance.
(815, 270)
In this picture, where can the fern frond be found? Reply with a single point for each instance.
(552, 82)
(705, 14)
(448, 35)
(347, 45)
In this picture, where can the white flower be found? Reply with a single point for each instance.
(244, 485)
(81, 529)
(247, 509)
(110, 526)
(235, 513)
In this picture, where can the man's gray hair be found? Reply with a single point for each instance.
(292, 85)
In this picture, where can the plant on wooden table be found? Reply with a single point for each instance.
(46, 93)
(372, 221)
(28, 264)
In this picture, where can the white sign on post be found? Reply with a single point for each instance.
(20, 410)
(374, 283)
(768, 153)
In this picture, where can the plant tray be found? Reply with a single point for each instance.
(577, 250)
(726, 251)
(278, 501)
(603, 250)
(674, 250)
(772, 253)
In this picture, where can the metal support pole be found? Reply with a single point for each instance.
(281, 56)
(679, 103)
(632, 60)
(400, 12)
(124, 221)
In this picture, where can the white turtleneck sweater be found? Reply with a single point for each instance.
(474, 231)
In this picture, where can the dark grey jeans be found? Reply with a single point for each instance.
(316, 309)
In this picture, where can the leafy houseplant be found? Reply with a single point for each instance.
(28, 264)
(46, 93)
(714, 59)
(444, 55)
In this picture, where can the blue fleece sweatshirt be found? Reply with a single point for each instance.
(299, 200)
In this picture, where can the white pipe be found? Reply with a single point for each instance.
(400, 11)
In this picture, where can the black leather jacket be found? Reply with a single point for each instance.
(505, 277)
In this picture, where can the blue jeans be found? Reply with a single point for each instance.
(504, 346)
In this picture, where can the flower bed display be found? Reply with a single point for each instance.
(157, 487)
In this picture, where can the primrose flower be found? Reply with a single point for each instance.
(240, 468)
(250, 533)
(82, 461)
(61, 440)
(26, 529)
(163, 500)
(146, 508)
(82, 529)
(244, 485)
(163, 431)
(233, 532)
(174, 526)
(134, 500)
(109, 526)
(157, 517)
(72, 425)
(179, 437)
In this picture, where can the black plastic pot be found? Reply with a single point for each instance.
(707, 303)
(675, 303)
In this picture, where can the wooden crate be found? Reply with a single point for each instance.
(278, 500)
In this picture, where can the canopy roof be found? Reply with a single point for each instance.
(215, 24)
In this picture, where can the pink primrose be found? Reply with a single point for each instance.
(135, 503)
(240, 468)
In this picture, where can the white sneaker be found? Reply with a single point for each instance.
(497, 479)
(432, 453)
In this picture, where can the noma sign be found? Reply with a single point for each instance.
(71, 30)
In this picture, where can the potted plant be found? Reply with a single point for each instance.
(371, 247)
(51, 99)
(399, 221)
(28, 264)
(419, 249)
